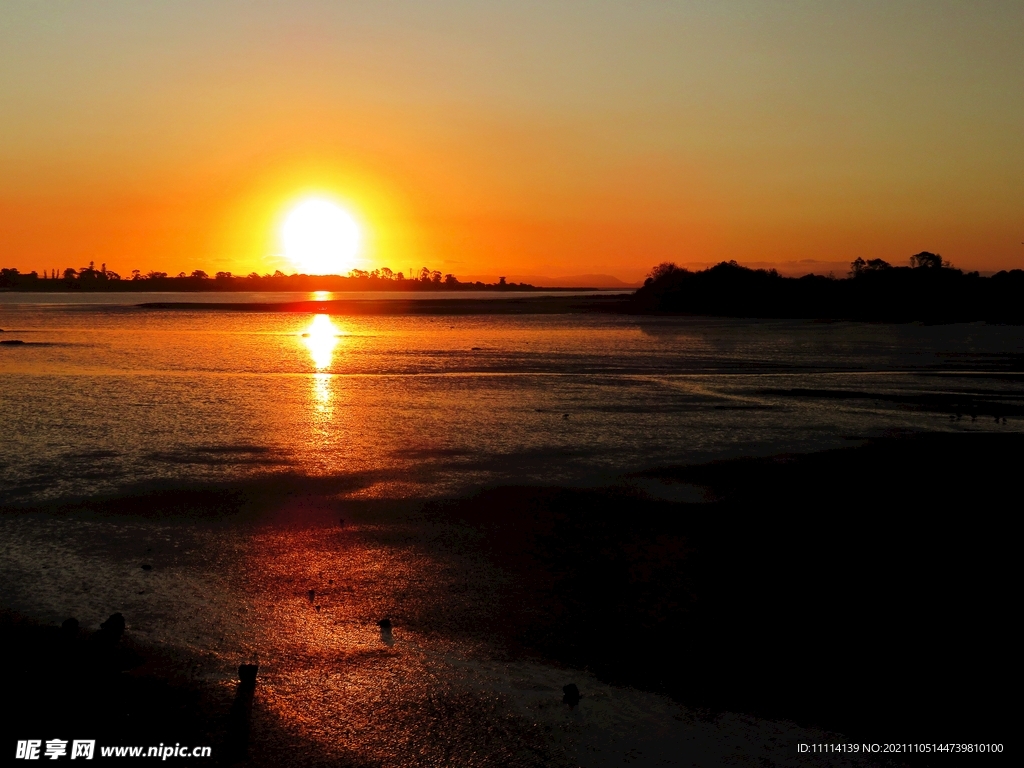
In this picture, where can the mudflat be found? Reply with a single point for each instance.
(857, 591)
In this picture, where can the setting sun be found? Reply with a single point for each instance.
(320, 238)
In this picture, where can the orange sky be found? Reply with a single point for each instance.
(513, 138)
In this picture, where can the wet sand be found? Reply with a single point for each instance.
(709, 615)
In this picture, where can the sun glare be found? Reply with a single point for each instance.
(320, 238)
(320, 338)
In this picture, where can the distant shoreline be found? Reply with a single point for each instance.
(543, 305)
(930, 292)
(146, 286)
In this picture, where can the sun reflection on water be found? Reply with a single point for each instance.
(320, 338)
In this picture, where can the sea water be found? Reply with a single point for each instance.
(105, 393)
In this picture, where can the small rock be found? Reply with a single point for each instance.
(147, 567)
(312, 595)
(384, 623)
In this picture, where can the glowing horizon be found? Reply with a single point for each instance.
(513, 139)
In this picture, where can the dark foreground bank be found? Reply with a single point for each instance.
(867, 591)
(100, 685)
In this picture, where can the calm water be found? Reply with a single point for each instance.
(104, 395)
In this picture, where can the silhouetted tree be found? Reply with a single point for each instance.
(199, 274)
(926, 260)
(663, 269)
(858, 266)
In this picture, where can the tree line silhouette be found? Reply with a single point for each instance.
(930, 289)
(92, 279)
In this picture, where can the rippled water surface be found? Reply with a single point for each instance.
(100, 396)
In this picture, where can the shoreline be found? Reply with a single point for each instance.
(613, 303)
(560, 301)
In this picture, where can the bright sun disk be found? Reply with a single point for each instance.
(320, 238)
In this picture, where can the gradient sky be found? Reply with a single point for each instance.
(488, 138)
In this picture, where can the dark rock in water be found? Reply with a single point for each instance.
(113, 627)
(70, 626)
(341, 522)
(384, 623)
(312, 595)
(571, 694)
(12, 341)
(147, 567)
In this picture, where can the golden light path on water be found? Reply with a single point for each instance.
(321, 337)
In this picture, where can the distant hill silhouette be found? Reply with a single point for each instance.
(930, 290)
